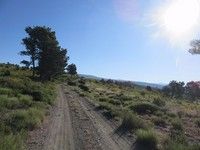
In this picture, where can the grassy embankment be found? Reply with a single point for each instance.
(158, 121)
(23, 105)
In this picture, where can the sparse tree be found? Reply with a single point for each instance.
(148, 88)
(71, 69)
(192, 90)
(177, 89)
(174, 89)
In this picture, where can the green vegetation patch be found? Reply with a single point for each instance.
(146, 140)
(23, 105)
(131, 122)
(144, 108)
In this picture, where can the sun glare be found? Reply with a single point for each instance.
(179, 18)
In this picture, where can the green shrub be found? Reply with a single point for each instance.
(103, 106)
(81, 94)
(123, 97)
(144, 108)
(6, 73)
(71, 83)
(84, 87)
(131, 122)
(142, 93)
(146, 140)
(177, 125)
(9, 102)
(6, 91)
(14, 83)
(110, 114)
(174, 144)
(172, 115)
(12, 103)
(39, 105)
(25, 100)
(81, 81)
(159, 102)
(37, 95)
(12, 142)
(25, 119)
(42, 93)
(114, 102)
(178, 141)
(102, 99)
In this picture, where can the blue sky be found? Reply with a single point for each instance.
(106, 38)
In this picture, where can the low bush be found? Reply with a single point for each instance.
(84, 87)
(6, 73)
(172, 145)
(131, 122)
(12, 103)
(179, 142)
(81, 94)
(146, 140)
(177, 125)
(103, 99)
(71, 83)
(11, 82)
(114, 102)
(159, 102)
(37, 95)
(9, 102)
(81, 81)
(25, 119)
(103, 106)
(12, 142)
(172, 115)
(144, 108)
(110, 114)
(123, 97)
(25, 100)
(7, 91)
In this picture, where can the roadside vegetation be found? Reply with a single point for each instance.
(27, 92)
(23, 105)
(156, 119)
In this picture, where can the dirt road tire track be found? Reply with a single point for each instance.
(75, 125)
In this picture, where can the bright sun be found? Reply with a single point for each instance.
(180, 17)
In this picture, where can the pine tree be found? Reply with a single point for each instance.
(51, 58)
(72, 69)
(31, 49)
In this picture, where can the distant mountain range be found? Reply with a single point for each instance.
(143, 84)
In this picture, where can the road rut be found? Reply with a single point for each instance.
(75, 125)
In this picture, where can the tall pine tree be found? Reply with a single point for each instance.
(51, 58)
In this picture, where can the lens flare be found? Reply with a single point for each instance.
(179, 19)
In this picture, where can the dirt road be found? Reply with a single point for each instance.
(75, 125)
